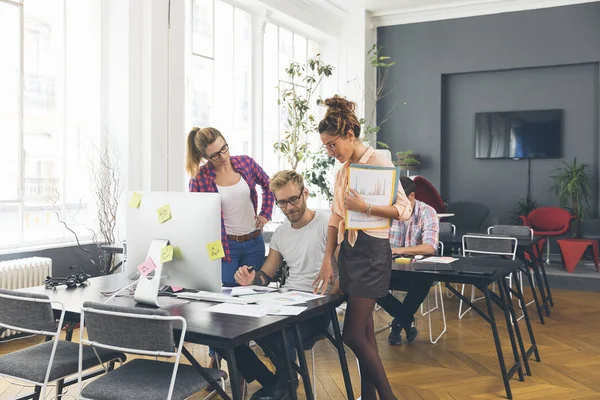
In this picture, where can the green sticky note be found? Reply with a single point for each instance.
(177, 253)
(166, 254)
(135, 201)
(164, 213)
(215, 250)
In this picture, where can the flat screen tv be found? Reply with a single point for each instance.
(519, 134)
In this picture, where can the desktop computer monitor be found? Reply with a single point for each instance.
(195, 222)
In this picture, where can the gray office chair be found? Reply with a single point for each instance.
(140, 331)
(482, 244)
(48, 362)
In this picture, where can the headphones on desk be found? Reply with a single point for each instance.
(71, 281)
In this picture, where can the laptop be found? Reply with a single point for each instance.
(430, 266)
(476, 270)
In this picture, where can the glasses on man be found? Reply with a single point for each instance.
(331, 145)
(292, 200)
(217, 155)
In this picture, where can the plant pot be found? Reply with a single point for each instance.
(409, 162)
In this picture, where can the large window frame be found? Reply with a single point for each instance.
(30, 219)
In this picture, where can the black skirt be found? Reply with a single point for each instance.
(365, 269)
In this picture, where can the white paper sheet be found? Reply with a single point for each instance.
(248, 310)
(284, 310)
(249, 290)
(285, 299)
(438, 260)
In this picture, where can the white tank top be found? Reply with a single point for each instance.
(238, 211)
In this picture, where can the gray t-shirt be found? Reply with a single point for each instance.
(302, 249)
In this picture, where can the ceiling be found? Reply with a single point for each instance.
(379, 7)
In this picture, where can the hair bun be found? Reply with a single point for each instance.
(340, 104)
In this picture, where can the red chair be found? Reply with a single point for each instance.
(427, 193)
(548, 222)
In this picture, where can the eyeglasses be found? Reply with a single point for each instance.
(292, 200)
(217, 155)
(331, 145)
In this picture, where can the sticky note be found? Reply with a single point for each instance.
(215, 250)
(164, 213)
(402, 260)
(177, 253)
(135, 201)
(166, 254)
(146, 267)
(176, 288)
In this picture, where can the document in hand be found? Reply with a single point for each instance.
(377, 186)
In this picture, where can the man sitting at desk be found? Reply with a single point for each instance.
(419, 235)
(300, 242)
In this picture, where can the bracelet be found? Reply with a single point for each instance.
(368, 210)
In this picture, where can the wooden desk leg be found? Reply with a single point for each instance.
(339, 344)
(303, 365)
(288, 363)
(512, 325)
(505, 379)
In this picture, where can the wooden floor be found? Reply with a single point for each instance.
(463, 364)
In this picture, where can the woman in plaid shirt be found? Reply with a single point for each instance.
(235, 177)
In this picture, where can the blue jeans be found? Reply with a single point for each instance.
(251, 253)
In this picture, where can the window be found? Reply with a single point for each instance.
(219, 77)
(281, 47)
(49, 117)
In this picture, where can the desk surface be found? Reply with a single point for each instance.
(203, 327)
(503, 268)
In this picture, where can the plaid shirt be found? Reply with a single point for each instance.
(252, 173)
(422, 227)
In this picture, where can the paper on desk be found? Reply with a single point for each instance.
(284, 310)
(248, 290)
(287, 298)
(247, 310)
(438, 260)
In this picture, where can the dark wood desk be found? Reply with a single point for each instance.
(206, 328)
(402, 272)
(528, 251)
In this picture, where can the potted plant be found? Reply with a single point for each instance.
(573, 189)
(298, 99)
(408, 161)
(523, 208)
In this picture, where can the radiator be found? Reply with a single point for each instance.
(23, 273)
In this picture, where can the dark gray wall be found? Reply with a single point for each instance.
(502, 51)
(570, 88)
(62, 258)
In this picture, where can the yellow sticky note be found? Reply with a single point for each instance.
(177, 253)
(166, 254)
(215, 250)
(135, 201)
(403, 260)
(164, 213)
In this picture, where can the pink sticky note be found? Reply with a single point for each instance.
(146, 267)
(176, 288)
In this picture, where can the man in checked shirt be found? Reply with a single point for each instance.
(419, 235)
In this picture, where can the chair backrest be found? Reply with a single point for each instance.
(511, 230)
(549, 219)
(427, 193)
(447, 227)
(469, 215)
(474, 243)
(27, 312)
(130, 329)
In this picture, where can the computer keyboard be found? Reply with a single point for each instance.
(214, 297)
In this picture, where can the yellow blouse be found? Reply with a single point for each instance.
(338, 209)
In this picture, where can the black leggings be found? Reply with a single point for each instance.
(359, 335)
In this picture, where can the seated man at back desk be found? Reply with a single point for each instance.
(418, 235)
(300, 242)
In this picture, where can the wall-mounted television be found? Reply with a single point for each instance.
(519, 134)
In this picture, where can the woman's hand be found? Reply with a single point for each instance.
(354, 202)
(260, 222)
(325, 277)
(243, 276)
